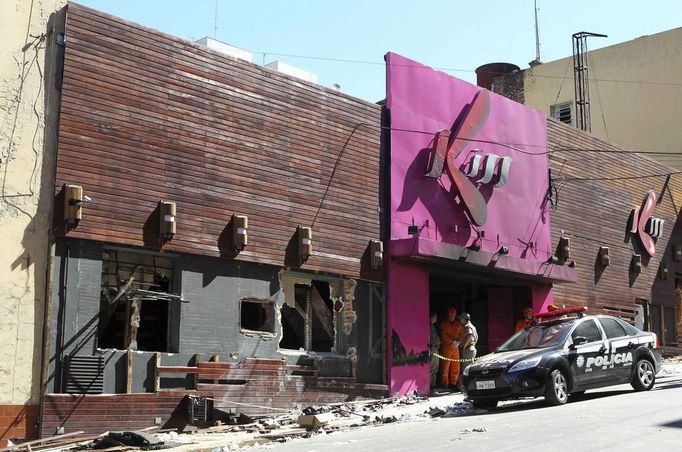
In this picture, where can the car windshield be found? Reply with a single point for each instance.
(543, 335)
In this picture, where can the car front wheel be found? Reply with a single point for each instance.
(644, 376)
(556, 392)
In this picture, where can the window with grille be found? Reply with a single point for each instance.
(562, 112)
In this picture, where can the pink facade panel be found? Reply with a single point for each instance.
(500, 313)
(408, 329)
(504, 157)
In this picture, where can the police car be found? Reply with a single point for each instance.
(565, 353)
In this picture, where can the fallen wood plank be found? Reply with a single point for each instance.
(40, 441)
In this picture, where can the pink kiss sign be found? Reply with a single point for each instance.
(466, 165)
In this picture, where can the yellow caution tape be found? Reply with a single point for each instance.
(452, 360)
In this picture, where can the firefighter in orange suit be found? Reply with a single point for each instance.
(450, 338)
(526, 321)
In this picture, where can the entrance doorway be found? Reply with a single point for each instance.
(494, 308)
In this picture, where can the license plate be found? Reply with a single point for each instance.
(488, 384)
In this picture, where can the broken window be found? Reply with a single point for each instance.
(136, 301)
(257, 315)
(308, 318)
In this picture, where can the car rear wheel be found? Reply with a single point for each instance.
(644, 376)
(556, 392)
(485, 404)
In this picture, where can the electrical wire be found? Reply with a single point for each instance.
(514, 146)
(446, 69)
(336, 165)
(644, 176)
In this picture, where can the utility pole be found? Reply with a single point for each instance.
(537, 60)
(215, 21)
(581, 79)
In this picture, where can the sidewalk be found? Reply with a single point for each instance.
(339, 417)
(359, 415)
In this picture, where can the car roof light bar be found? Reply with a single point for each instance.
(579, 310)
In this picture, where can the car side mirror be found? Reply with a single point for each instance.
(578, 340)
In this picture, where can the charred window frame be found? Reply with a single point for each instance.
(309, 315)
(257, 316)
(138, 309)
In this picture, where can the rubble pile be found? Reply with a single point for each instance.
(244, 431)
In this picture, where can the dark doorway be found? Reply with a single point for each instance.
(465, 296)
(309, 323)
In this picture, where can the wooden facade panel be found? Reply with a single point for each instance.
(148, 117)
(596, 193)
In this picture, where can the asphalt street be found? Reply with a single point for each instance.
(614, 418)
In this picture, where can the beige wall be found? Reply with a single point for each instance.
(638, 116)
(26, 168)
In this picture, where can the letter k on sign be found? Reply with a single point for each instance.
(447, 149)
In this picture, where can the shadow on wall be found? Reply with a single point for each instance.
(151, 228)
(22, 423)
(36, 254)
(431, 199)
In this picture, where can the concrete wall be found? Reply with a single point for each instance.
(28, 108)
(634, 92)
(208, 324)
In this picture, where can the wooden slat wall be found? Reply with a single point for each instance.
(594, 213)
(146, 117)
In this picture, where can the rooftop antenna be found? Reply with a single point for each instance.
(215, 21)
(537, 60)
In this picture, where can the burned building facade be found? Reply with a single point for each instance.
(212, 214)
(219, 230)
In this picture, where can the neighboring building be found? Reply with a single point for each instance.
(560, 237)
(634, 88)
(29, 106)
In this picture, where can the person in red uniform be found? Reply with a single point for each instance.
(450, 338)
(526, 321)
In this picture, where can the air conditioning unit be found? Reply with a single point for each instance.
(200, 409)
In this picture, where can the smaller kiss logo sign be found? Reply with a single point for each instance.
(644, 225)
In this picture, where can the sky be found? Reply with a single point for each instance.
(344, 42)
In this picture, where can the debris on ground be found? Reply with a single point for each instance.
(139, 440)
(474, 430)
(312, 421)
(245, 431)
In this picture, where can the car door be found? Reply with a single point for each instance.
(587, 359)
(620, 347)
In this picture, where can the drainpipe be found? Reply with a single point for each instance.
(58, 20)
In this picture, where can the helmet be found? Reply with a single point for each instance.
(464, 317)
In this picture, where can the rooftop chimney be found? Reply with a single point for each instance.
(486, 73)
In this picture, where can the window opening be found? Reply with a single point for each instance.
(257, 315)
(134, 304)
(562, 112)
(308, 322)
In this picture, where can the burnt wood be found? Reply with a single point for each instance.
(146, 117)
(594, 213)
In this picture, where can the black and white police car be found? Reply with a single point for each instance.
(565, 353)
